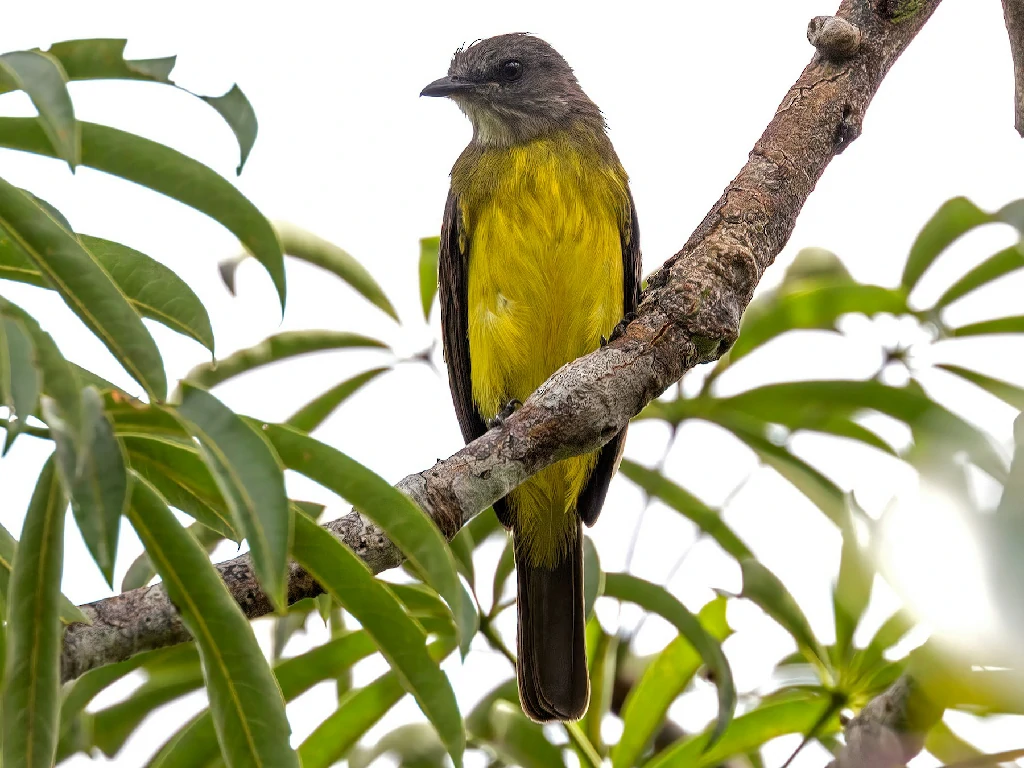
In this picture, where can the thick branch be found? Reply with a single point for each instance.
(689, 315)
(1013, 14)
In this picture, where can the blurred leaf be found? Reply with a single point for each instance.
(151, 288)
(31, 696)
(84, 285)
(245, 700)
(462, 550)
(250, 478)
(947, 747)
(305, 246)
(954, 218)
(765, 590)
(1002, 263)
(315, 412)
(593, 577)
(517, 741)
(178, 472)
(43, 79)
(398, 516)
(58, 375)
(103, 59)
(647, 703)
(359, 710)
(95, 477)
(430, 249)
(813, 306)
(852, 590)
(1010, 394)
(166, 171)
(998, 325)
(414, 745)
(69, 612)
(746, 733)
(603, 664)
(708, 520)
(19, 380)
(141, 571)
(196, 742)
(656, 599)
(272, 349)
(506, 565)
(481, 527)
(347, 579)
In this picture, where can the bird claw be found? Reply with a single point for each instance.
(506, 412)
(620, 328)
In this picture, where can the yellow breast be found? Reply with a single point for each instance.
(543, 224)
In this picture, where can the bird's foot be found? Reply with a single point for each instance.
(508, 410)
(620, 328)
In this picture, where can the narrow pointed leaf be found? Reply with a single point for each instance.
(998, 325)
(69, 612)
(995, 266)
(506, 565)
(169, 172)
(249, 476)
(247, 705)
(708, 520)
(430, 248)
(141, 571)
(31, 697)
(281, 346)
(1011, 394)
(20, 381)
(358, 711)
(656, 599)
(593, 577)
(316, 411)
(412, 744)
(647, 704)
(954, 218)
(397, 515)
(764, 589)
(84, 285)
(402, 642)
(95, 477)
(852, 590)
(747, 733)
(43, 79)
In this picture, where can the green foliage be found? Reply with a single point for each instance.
(116, 457)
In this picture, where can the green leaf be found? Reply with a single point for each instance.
(1002, 263)
(998, 325)
(1010, 394)
(747, 733)
(954, 218)
(152, 289)
(516, 741)
(249, 476)
(647, 703)
(95, 477)
(506, 565)
(19, 379)
(141, 571)
(593, 577)
(430, 249)
(84, 285)
(708, 520)
(272, 349)
(947, 747)
(395, 513)
(414, 745)
(764, 589)
(196, 743)
(246, 703)
(852, 590)
(347, 579)
(316, 411)
(31, 697)
(627, 588)
(43, 79)
(817, 306)
(69, 612)
(305, 246)
(166, 171)
(359, 710)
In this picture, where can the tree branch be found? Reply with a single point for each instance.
(1013, 14)
(689, 314)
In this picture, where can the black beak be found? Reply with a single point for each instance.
(446, 86)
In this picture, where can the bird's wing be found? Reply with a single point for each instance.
(592, 497)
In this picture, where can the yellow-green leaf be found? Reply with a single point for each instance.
(41, 76)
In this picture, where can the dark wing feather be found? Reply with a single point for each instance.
(592, 497)
(453, 289)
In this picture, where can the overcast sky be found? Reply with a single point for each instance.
(348, 150)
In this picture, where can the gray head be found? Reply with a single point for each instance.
(515, 88)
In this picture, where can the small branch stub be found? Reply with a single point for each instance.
(836, 39)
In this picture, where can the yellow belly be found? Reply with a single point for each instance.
(545, 284)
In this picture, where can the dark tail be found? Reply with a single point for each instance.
(553, 681)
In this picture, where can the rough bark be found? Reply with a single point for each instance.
(1013, 14)
(690, 314)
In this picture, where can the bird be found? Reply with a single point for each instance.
(539, 263)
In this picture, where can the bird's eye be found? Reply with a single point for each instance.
(510, 70)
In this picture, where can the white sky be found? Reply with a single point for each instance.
(347, 150)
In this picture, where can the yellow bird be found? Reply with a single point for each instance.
(539, 262)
